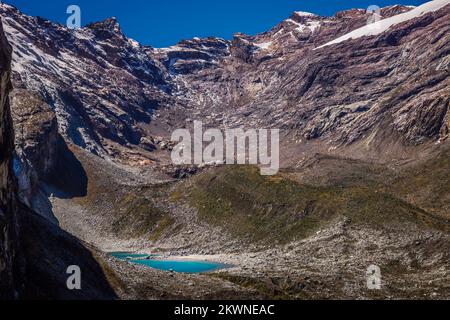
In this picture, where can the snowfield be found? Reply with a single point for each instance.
(383, 25)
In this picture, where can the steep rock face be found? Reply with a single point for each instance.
(125, 53)
(190, 56)
(387, 89)
(25, 237)
(37, 141)
(67, 69)
(8, 207)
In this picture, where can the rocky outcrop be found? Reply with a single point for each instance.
(8, 206)
(191, 56)
(37, 141)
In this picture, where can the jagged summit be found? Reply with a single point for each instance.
(107, 29)
(6, 6)
(109, 24)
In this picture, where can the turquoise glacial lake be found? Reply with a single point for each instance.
(169, 265)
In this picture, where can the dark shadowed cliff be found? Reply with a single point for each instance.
(8, 218)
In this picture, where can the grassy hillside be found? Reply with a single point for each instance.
(427, 185)
(137, 216)
(277, 209)
(290, 206)
(113, 202)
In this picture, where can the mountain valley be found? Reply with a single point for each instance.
(364, 152)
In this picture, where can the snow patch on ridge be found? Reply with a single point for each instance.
(383, 25)
(264, 45)
(305, 14)
(312, 25)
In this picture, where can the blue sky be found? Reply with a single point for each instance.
(163, 23)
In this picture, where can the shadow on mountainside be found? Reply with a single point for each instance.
(48, 251)
(68, 179)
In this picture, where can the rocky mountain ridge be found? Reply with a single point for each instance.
(277, 79)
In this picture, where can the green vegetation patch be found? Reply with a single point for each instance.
(277, 209)
(138, 217)
(427, 185)
(164, 224)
